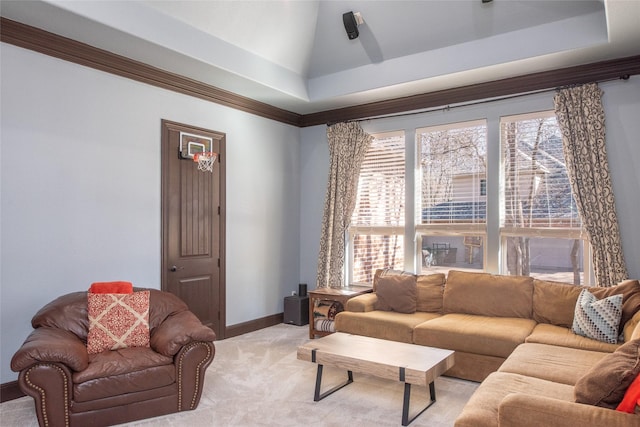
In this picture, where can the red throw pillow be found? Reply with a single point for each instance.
(117, 321)
(631, 398)
(111, 288)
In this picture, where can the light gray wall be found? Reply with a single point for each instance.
(80, 180)
(314, 170)
(622, 108)
(621, 102)
(67, 221)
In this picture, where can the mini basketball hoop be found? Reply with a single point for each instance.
(205, 160)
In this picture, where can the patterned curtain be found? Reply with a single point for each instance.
(348, 144)
(581, 119)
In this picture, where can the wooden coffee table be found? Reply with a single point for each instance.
(408, 363)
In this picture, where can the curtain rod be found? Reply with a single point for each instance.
(478, 102)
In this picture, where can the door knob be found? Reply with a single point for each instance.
(173, 268)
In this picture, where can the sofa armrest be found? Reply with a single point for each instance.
(362, 303)
(51, 345)
(191, 365)
(519, 409)
(51, 387)
(178, 330)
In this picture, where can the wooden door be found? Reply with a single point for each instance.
(193, 222)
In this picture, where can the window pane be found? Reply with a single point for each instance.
(538, 213)
(537, 192)
(380, 200)
(440, 254)
(371, 252)
(453, 173)
(560, 260)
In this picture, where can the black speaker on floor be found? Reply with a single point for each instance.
(296, 310)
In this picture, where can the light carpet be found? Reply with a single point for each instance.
(257, 380)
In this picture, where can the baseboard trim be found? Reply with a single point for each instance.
(10, 391)
(253, 325)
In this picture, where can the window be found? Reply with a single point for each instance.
(540, 227)
(376, 233)
(518, 217)
(453, 205)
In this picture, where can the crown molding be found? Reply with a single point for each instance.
(41, 41)
(594, 72)
(38, 40)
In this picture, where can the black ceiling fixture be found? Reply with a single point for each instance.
(351, 21)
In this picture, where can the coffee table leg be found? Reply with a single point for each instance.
(319, 396)
(407, 397)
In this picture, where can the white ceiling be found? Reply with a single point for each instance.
(296, 55)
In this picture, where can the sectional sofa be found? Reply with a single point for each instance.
(515, 335)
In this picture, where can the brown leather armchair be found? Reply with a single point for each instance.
(73, 388)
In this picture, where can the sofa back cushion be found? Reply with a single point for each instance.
(162, 305)
(69, 312)
(383, 272)
(630, 290)
(554, 302)
(487, 294)
(430, 292)
(397, 293)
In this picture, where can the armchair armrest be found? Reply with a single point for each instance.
(178, 330)
(519, 409)
(362, 303)
(51, 345)
(191, 364)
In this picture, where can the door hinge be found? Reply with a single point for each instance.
(218, 262)
(218, 210)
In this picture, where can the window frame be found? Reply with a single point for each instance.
(572, 233)
(374, 230)
(470, 229)
(492, 233)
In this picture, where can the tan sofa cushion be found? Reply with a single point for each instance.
(631, 330)
(362, 303)
(430, 292)
(482, 408)
(552, 363)
(387, 272)
(607, 381)
(520, 410)
(630, 290)
(554, 302)
(387, 325)
(544, 333)
(488, 295)
(491, 336)
(397, 293)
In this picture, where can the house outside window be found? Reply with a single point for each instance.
(535, 228)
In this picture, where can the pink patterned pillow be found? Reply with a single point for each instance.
(117, 321)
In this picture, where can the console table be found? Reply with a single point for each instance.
(341, 295)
